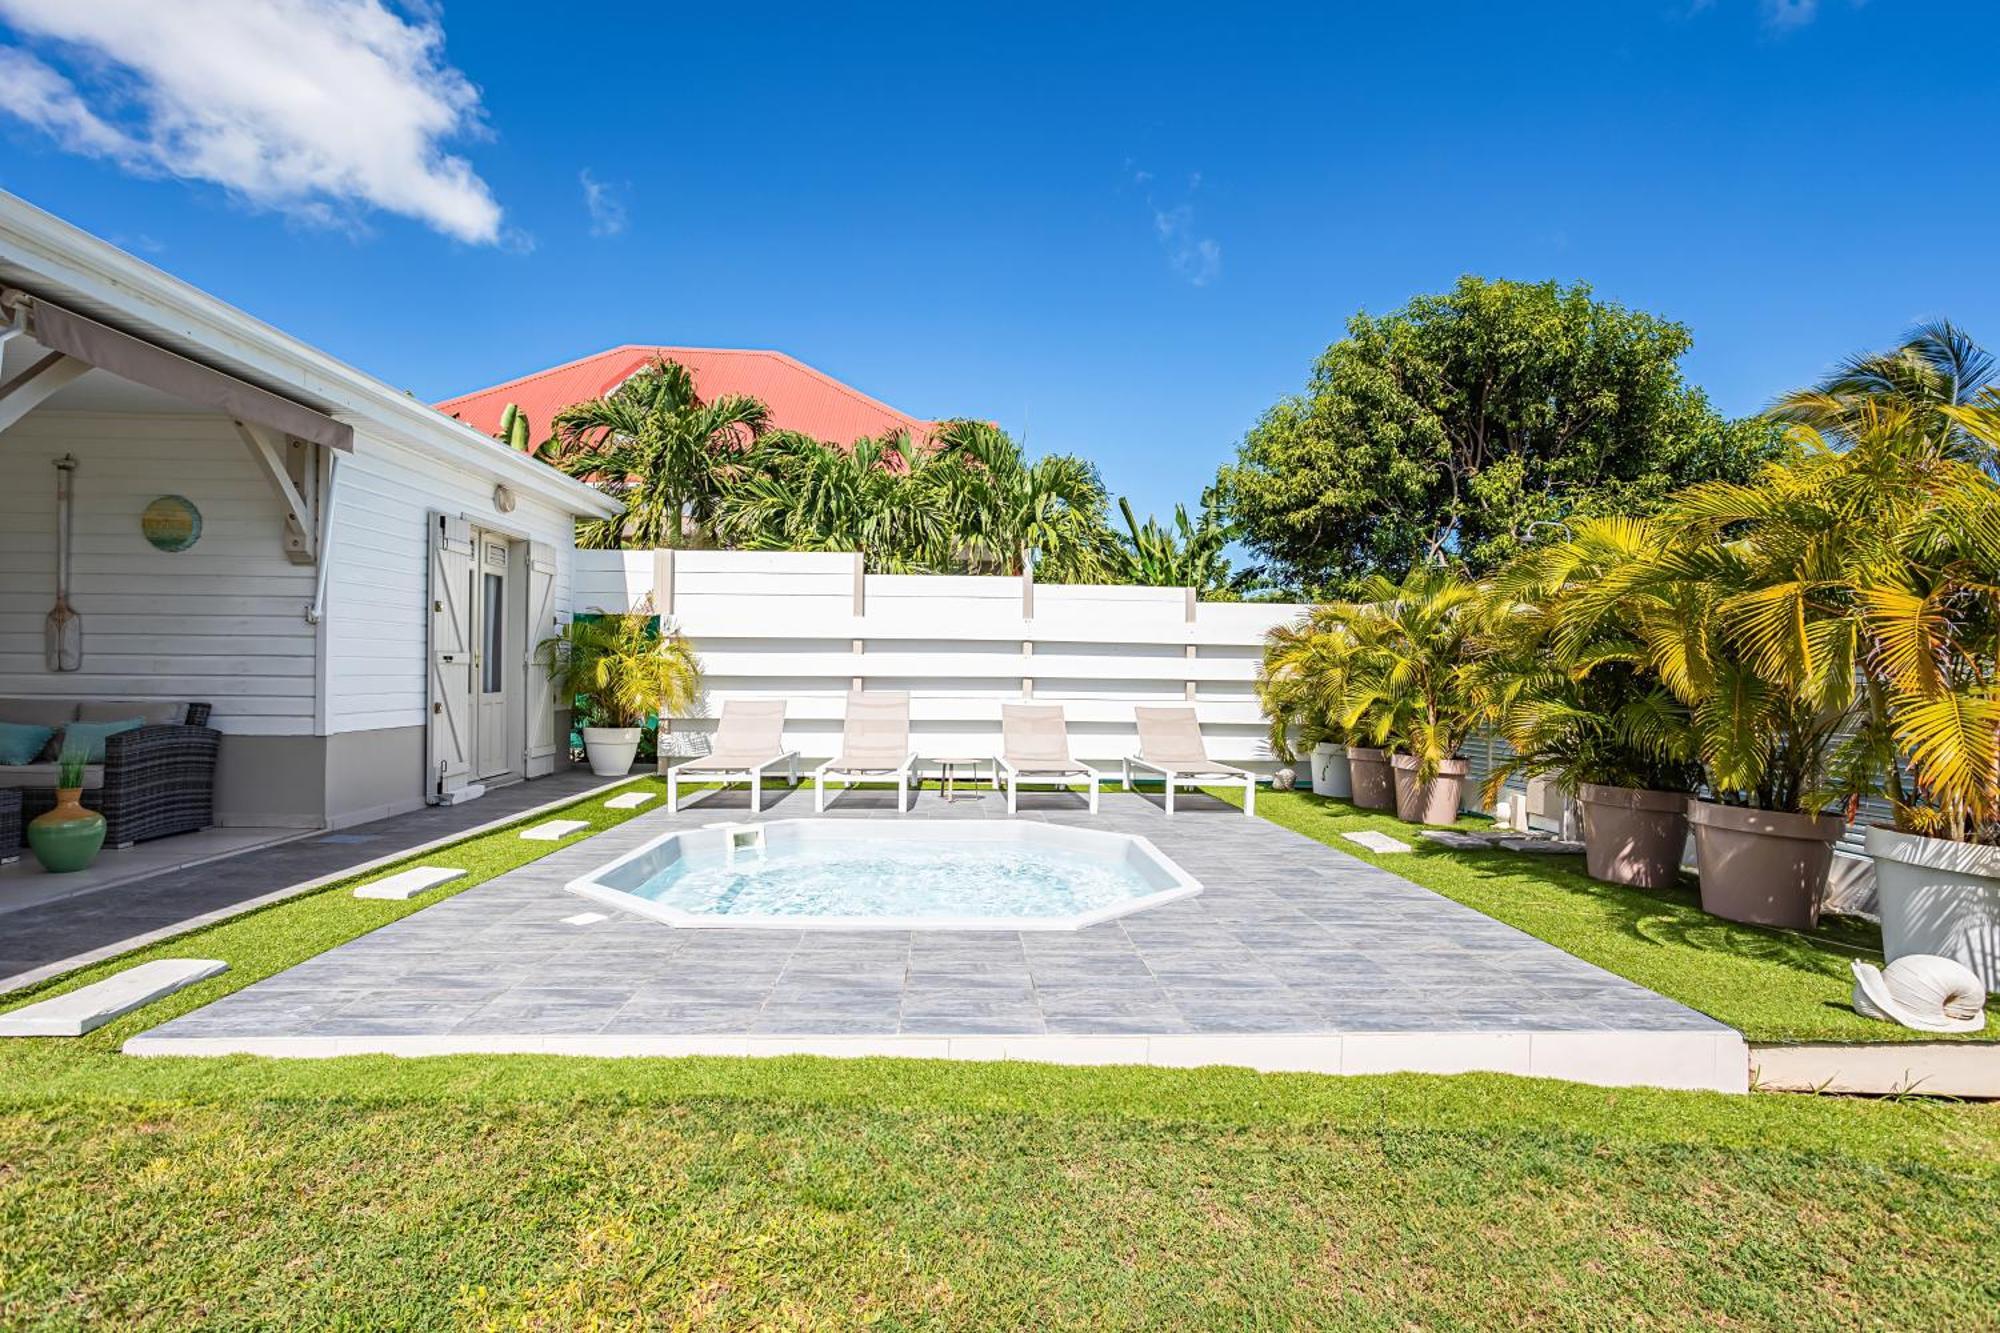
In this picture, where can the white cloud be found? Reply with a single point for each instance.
(1195, 257)
(604, 204)
(318, 108)
(1784, 15)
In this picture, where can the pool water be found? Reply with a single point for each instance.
(930, 878)
(882, 874)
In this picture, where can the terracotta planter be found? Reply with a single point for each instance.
(1760, 866)
(68, 837)
(1632, 836)
(610, 750)
(1331, 774)
(1938, 897)
(1433, 802)
(1374, 787)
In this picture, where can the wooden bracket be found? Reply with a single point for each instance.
(33, 386)
(275, 460)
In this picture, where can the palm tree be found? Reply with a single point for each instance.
(1302, 681)
(624, 666)
(881, 497)
(653, 443)
(1875, 557)
(1003, 507)
(1937, 368)
(1409, 657)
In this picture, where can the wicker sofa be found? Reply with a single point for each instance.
(156, 780)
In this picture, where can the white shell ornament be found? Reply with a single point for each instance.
(1922, 991)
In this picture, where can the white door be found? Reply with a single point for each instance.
(450, 757)
(489, 659)
(542, 623)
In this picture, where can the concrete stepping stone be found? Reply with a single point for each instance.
(555, 830)
(1376, 842)
(407, 884)
(1543, 846)
(1458, 842)
(85, 1010)
(629, 800)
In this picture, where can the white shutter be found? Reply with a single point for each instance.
(543, 621)
(450, 749)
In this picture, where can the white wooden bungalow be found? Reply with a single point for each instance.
(370, 576)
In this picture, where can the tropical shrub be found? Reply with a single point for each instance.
(1583, 707)
(622, 669)
(1394, 668)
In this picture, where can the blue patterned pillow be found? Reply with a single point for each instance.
(21, 742)
(91, 736)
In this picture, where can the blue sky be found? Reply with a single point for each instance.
(1117, 233)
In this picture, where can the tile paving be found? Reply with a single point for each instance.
(1288, 937)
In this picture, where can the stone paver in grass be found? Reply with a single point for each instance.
(1458, 842)
(1376, 842)
(1543, 846)
(629, 800)
(93, 1006)
(407, 884)
(555, 830)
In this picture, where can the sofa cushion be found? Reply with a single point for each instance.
(90, 736)
(51, 713)
(22, 742)
(152, 712)
(30, 776)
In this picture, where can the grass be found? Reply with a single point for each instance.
(545, 1193)
(1771, 985)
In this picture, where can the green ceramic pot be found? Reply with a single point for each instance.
(68, 837)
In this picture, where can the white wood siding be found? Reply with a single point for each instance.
(376, 596)
(223, 622)
(785, 624)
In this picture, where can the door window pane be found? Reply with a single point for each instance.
(490, 674)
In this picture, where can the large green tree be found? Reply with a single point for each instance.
(1472, 424)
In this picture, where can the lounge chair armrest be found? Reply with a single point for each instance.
(1139, 762)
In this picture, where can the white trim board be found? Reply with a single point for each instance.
(1706, 1061)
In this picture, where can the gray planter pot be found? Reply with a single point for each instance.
(1938, 897)
(1374, 787)
(1332, 775)
(1760, 866)
(1632, 836)
(1433, 802)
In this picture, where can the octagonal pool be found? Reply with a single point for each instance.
(855, 874)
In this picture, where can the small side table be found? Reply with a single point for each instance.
(10, 824)
(948, 767)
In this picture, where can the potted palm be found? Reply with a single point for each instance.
(1574, 700)
(626, 670)
(1409, 687)
(1299, 686)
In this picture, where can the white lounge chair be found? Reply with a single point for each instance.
(874, 745)
(1170, 745)
(1034, 745)
(749, 738)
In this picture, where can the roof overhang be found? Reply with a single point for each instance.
(92, 280)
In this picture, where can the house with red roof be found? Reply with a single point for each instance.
(799, 397)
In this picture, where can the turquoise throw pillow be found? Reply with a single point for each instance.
(20, 742)
(90, 735)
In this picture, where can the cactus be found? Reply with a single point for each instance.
(514, 429)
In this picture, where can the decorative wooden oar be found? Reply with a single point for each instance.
(63, 629)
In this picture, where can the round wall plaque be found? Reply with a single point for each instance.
(171, 523)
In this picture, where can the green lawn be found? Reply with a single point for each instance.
(543, 1193)
(1771, 985)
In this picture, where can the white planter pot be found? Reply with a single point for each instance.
(610, 750)
(1331, 774)
(1938, 897)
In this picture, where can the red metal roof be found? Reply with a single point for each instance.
(800, 398)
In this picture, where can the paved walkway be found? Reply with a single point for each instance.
(40, 941)
(1294, 956)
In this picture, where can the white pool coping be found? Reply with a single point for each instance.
(1696, 1061)
(1184, 885)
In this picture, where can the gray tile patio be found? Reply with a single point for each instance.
(1289, 939)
